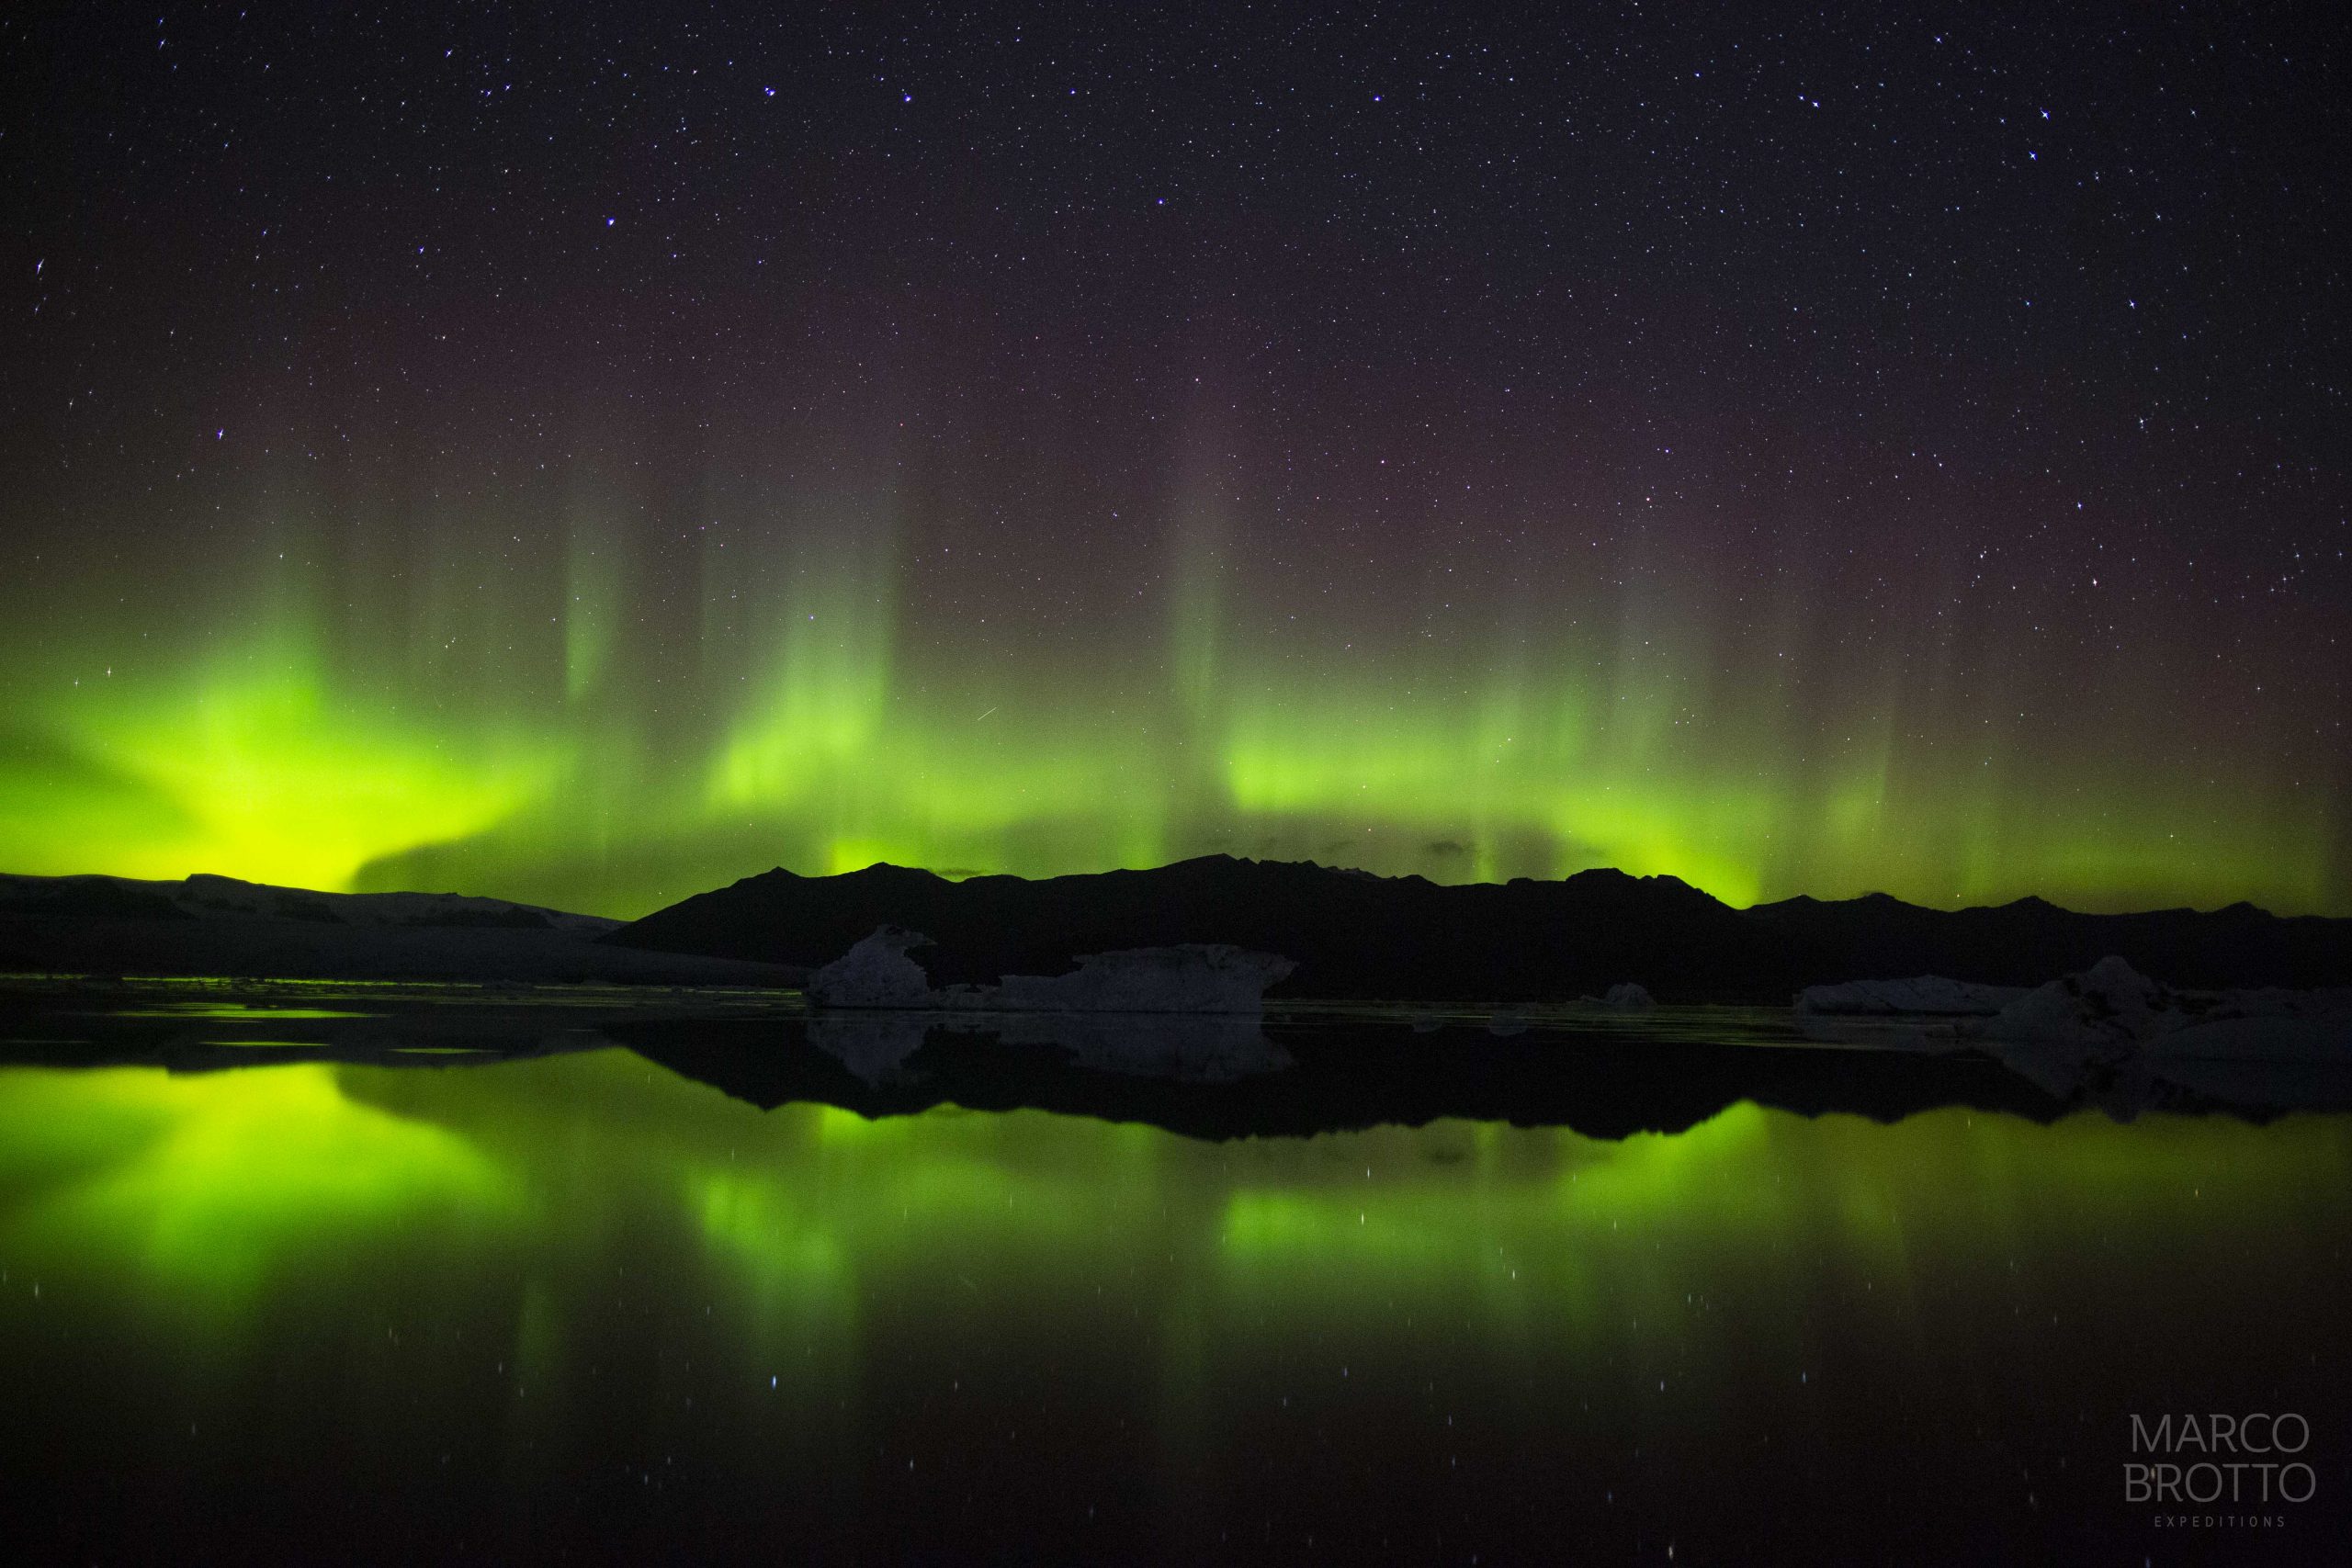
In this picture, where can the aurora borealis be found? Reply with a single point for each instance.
(589, 462)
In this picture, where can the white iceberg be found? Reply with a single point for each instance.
(877, 973)
(1195, 977)
(1628, 996)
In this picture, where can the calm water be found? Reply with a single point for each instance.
(581, 1304)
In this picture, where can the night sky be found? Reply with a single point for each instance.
(589, 453)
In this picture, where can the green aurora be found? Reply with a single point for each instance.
(531, 722)
(996, 491)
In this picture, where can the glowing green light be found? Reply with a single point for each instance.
(256, 768)
(214, 1185)
(552, 741)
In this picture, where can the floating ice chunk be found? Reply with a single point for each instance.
(2111, 1011)
(1196, 977)
(877, 973)
(2110, 1008)
(2306, 1026)
(1629, 996)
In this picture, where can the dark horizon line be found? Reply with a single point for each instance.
(2032, 899)
(960, 875)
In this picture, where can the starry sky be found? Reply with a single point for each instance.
(586, 453)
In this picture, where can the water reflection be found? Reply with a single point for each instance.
(2122, 1084)
(581, 1303)
(874, 1046)
(1210, 1048)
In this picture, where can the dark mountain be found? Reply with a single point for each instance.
(1406, 938)
(2031, 941)
(221, 926)
(1353, 935)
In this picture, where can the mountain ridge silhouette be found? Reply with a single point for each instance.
(1360, 936)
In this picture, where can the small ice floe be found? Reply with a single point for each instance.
(1204, 978)
(2111, 1012)
(1185, 1013)
(1195, 977)
(2110, 1035)
(877, 973)
(2113, 1036)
